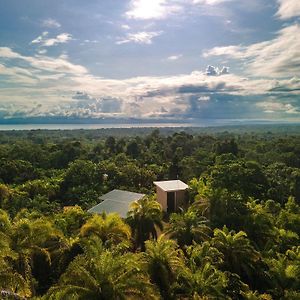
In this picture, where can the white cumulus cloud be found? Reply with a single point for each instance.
(51, 23)
(59, 64)
(125, 27)
(6, 52)
(143, 37)
(273, 107)
(41, 85)
(48, 42)
(288, 9)
(174, 57)
(279, 57)
(215, 71)
(210, 2)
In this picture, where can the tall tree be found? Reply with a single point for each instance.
(239, 256)
(145, 219)
(205, 282)
(164, 261)
(102, 274)
(110, 228)
(187, 227)
(285, 273)
(33, 241)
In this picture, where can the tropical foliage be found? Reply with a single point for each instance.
(237, 237)
(145, 219)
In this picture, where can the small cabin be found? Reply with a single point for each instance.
(171, 194)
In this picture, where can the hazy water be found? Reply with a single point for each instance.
(90, 126)
(203, 123)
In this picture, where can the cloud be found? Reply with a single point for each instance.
(288, 9)
(48, 42)
(291, 85)
(215, 71)
(270, 58)
(174, 57)
(40, 38)
(89, 42)
(46, 86)
(273, 107)
(154, 9)
(20, 76)
(142, 37)
(210, 2)
(224, 71)
(212, 71)
(125, 27)
(111, 105)
(51, 23)
(194, 95)
(233, 51)
(59, 64)
(204, 98)
(163, 9)
(6, 52)
(42, 51)
(82, 96)
(96, 106)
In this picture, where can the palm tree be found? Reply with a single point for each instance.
(145, 217)
(260, 225)
(163, 261)
(188, 227)
(33, 241)
(63, 254)
(12, 284)
(206, 281)
(5, 222)
(199, 255)
(71, 220)
(238, 254)
(109, 228)
(200, 278)
(285, 274)
(250, 295)
(101, 274)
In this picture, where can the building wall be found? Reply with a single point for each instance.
(180, 199)
(161, 198)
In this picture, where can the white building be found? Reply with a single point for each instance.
(171, 194)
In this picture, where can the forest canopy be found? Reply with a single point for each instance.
(237, 237)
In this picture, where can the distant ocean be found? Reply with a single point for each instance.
(92, 126)
(202, 123)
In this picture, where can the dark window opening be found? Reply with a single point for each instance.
(171, 202)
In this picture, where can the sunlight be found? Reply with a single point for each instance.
(154, 9)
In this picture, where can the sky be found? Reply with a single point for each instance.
(170, 60)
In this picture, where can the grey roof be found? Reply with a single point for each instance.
(171, 185)
(116, 201)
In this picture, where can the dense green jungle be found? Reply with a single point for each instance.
(237, 237)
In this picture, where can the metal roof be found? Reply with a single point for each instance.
(116, 201)
(171, 185)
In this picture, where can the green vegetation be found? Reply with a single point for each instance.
(237, 237)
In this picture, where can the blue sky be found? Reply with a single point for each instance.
(183, 60)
